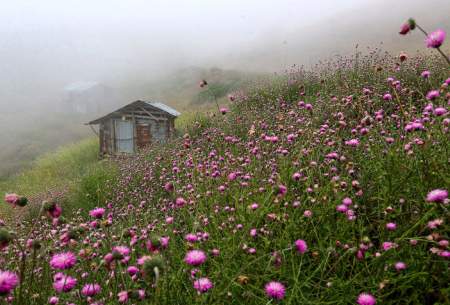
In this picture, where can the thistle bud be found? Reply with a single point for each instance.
(153, 267)
(412, 23)
(407, 26)
(22, 201)
(5, 238)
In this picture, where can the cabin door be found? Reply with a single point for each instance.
(124, 136)
(143, 135)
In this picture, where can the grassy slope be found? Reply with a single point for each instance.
(54, 172)
(387, 183)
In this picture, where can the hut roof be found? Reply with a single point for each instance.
(139, 103)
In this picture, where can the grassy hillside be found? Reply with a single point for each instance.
(322, 187)
(53, 174)
(36, 135)
(180, 89)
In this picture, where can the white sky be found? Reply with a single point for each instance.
(52, 42)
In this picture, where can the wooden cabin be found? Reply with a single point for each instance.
(135, 126)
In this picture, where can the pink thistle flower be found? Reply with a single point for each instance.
(352, 142)
(8, 281)
(195, 257)
(108, 258)
(425, 74)
(403, 56)
(12, 198)
(141, 294)
(122, 250)
(387, 245)
(405, 28)
(390, 140)
(440, 111)
(332, 155)
(435, 39)
(433, 224)
(141, 260)
(223, 110)
(64, 283)
(391, 226)
(290, 137)
(55, 211)
(387, 97)
(169, 187)
(301, 246)
(123, 296)
(281, 190)
(296, 176)
(443, 243)
(132, 270)
(53, 300)
(399, 266)
(232, 176)
(347, 201)
(90, 290)
(433, 94)
(192, 238)
(275, 290)
(203, 284)
(97, 213)
(437, 195)
(64, 260)
(164, 241)
(366, 91)
(342, 208)
(366, 299)
(180, 201)
(308, 213)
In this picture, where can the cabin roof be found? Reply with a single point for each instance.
(158, 105)
(164, 107)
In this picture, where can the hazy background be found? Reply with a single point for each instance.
(160, 49)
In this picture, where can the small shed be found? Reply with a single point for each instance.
(135, 126)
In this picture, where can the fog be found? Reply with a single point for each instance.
(46, 45)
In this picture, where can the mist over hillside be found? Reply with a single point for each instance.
(145, 49)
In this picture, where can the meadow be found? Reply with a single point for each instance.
(324, 186)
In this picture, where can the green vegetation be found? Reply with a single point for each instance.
(330, 185)
(56, 172)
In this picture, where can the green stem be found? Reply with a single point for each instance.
(215, 98)
(445, 56)
(422, 30)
